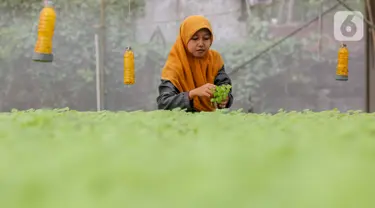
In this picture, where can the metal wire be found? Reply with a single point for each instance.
(339, 2)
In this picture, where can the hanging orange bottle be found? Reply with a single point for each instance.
(46, 27)
(342, 71)
(129, 73)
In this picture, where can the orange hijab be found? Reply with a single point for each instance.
(186, 72)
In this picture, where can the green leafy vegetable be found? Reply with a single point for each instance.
(172, 159)
(221, 93)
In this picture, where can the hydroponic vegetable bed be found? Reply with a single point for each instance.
(57, 159)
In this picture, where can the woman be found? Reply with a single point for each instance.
(193, 70)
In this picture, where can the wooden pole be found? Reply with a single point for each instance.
(370, 49)
(102, 49)
(371, 12)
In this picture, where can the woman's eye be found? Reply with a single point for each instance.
(194, 38)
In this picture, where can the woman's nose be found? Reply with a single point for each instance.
(200, 43)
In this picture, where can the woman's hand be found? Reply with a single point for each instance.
(202, 91)
(223, 103)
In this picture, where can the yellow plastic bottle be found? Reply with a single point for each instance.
(342, 71)
(46, 27)
(129, 73)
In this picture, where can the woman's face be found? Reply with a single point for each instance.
(200, 43)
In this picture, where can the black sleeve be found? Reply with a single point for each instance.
(222, 78)
(170, 97)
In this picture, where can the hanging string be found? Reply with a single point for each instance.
(132, 33)
(129, 71)
(129, 9)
